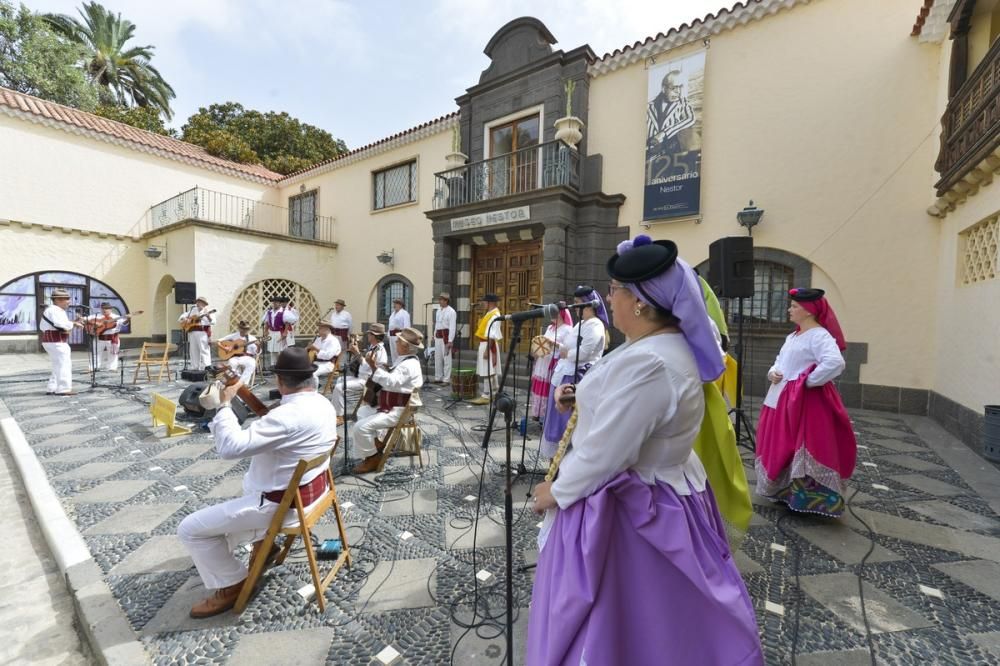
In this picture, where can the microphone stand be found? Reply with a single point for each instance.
(521, 469)
(504, 403)
(348, 470)
(184, 340)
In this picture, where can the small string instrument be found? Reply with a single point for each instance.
(370, 395)
(99, 325)
(231, 348)
(229, 377)
(193, 321)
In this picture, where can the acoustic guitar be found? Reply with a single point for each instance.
(194, 321)
(97, 327)
(231, 348)
(228, 377)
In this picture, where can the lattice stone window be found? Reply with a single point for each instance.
(979, 251)
(255, 299)
(394, 186)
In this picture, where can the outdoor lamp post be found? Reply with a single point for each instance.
(749, 217)
(387, 257)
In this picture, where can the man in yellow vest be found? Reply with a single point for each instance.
(488, 359)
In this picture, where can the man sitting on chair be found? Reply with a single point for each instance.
(355, 385)
(397, 384)
(300, 428)
(244, 363)
(327, 348)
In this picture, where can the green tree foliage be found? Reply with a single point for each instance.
(281, 143)
(36, 62)
(121, 71)
(143, 117)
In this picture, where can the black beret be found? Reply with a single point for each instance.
(806, 294)
(643, 262)
(583, 291)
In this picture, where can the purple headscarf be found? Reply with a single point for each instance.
(677, 289)
(592, 295)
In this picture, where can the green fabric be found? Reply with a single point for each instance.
(716, 447)
(714, 309)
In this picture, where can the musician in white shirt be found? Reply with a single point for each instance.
(355, 385)
(341, 321)
(444, 338)
(398, 386)
(327, 348)
(398, 320)
(108, 343)
(199, 336)
(55, 327)
(244, 362)
(301, 427)
(280, 320)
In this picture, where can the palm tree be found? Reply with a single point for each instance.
(123, 73)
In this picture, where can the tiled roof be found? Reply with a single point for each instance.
(76, 121)
(424, 129)
(918, 25)
(724, 19)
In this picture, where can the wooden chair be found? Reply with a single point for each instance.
(164, 412)
(405, 434)
(303, 530)
(156, 354)
(331, 378)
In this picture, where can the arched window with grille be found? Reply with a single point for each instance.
(254, 300)
(769, 304)
(390, 288)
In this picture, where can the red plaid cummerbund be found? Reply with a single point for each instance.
(55, 336)
(442, 333)
(387, 400)
(203, 329)
(341, 332)
(395, 331)
(309, 492)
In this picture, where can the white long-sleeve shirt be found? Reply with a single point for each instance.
(251, 348)
(446, 321)
(641, 409)
(591, 348)
(60, 321)
(341, 319)
(404, 377)
(381, 358)
(328, 346)
(399, 320)
(204, 320)
(302, 427)
(802, 349)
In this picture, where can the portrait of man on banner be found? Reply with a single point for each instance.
(674, 110)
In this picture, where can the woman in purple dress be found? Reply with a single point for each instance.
(635, 568)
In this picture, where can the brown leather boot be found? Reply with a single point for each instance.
(221, 600)
(369, 464)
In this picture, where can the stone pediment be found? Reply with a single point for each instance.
(520, 42)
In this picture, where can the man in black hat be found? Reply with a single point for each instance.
(301, 427)
(279, 321)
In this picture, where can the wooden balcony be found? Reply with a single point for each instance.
(971, 124)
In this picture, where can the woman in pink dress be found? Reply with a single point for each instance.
(806, 448)
(541, 372)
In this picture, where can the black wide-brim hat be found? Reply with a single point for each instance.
(805, 295)
(294, 362)
(643, 262)
(490, 298)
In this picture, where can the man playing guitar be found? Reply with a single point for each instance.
(324, 350)
(355, 385)
(106, 327)
(198, 324)
(245, 361)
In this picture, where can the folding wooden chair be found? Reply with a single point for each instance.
(331, 378)
(148, 356)
(303, 530)
(405, 434)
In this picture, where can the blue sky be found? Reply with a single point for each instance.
(360, 70)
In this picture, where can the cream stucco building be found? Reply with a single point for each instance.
(867, 131)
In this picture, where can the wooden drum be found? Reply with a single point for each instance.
(463, 383)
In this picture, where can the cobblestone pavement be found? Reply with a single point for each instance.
(925, 507)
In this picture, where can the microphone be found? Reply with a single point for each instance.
(548, 311)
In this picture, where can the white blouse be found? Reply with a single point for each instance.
(640, 408)
(591, 348)
(802, 349)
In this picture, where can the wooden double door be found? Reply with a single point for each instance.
(512, 271)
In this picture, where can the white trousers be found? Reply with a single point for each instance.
(367, 429)
(393, 354)
(201, 353)
(354, 388)
(211, 534)
(323, 368)
(246, 366)
(61, 379)
(487, 369)
(442, 361)
(107, 355)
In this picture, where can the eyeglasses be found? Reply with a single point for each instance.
(612, 288)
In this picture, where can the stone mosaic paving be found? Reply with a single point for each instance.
(930, 581)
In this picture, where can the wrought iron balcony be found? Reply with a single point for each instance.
(970, 128)
(548, 164)
(233, 211)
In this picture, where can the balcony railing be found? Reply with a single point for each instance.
(537, 167)
(970, 128)
(233, 211)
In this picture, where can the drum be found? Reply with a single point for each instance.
(541, 346)
(463, 383)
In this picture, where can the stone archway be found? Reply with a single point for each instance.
(163, 315)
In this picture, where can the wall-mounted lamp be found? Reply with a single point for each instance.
(156, 251)
(749, 217)
(387, 257)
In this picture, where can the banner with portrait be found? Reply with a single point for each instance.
(674, 110)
